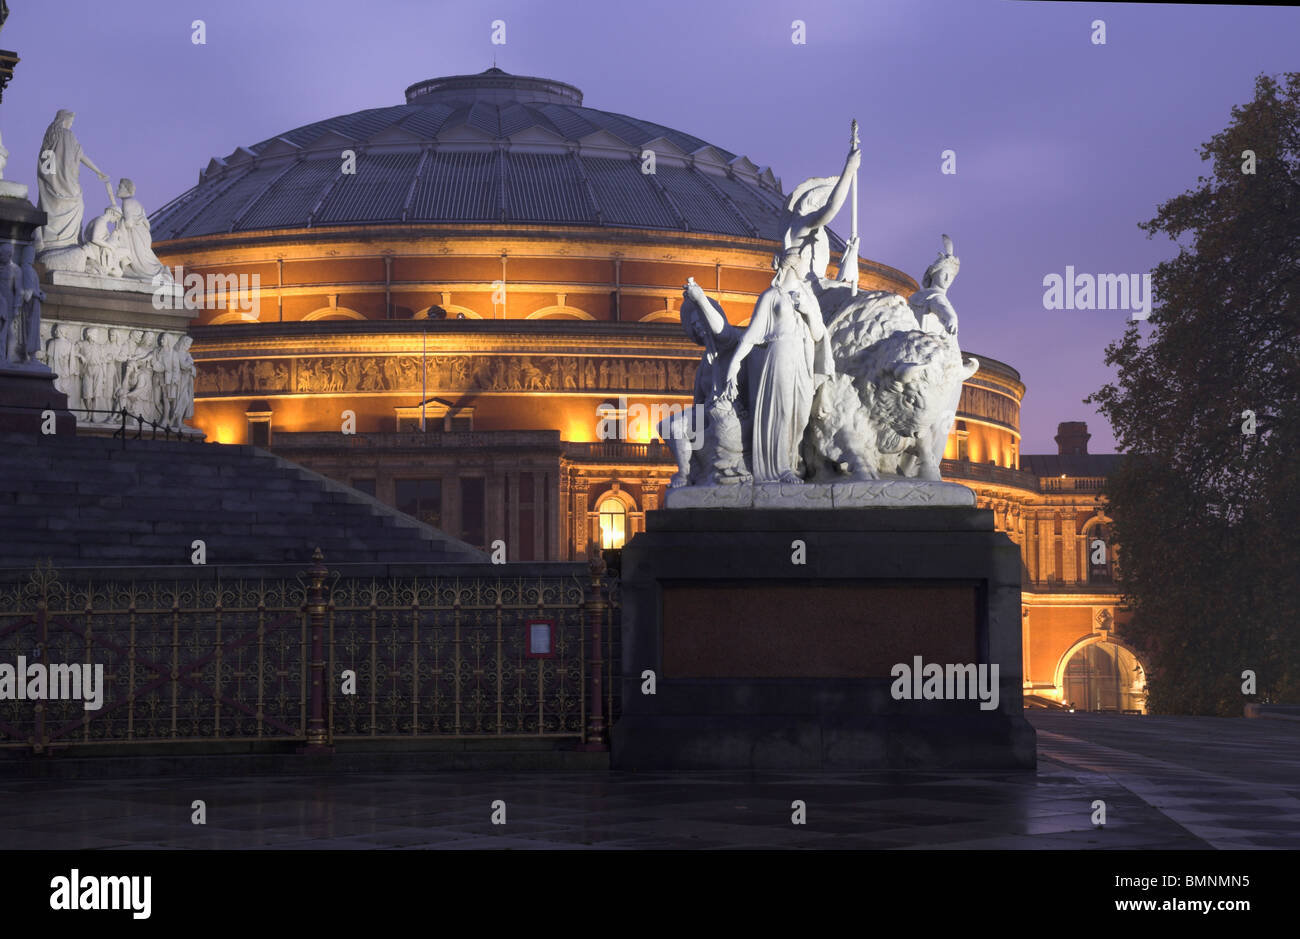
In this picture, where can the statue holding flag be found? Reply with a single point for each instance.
(811, 207)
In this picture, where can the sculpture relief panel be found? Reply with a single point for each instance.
(403, 373)
(104, 370)
(990, 405)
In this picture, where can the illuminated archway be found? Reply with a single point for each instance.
(662, 316)
(1100, 673)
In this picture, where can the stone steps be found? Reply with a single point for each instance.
(83, 501)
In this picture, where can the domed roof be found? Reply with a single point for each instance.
(486, 148)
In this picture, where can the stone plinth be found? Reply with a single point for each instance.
(890, 492)
(764, 663)
(89, 299)
(26, 393)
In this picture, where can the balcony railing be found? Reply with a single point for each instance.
(620, 450)
(441, 440)
(961, 470)
(1073, 483)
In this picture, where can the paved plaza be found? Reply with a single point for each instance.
(1168, 783)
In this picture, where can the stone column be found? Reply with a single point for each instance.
(1070, 547)
(579, 526)
(563, 520)
(1046, 552)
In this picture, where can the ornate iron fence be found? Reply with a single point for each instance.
(480, 651)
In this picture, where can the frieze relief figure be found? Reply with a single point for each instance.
(523, 373)
(96, 370)
(137, 395)
(62, 359)
(182, 405)
(106, 370)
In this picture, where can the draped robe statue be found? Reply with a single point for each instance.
(785, 329)
(58, 182)
(135, 241)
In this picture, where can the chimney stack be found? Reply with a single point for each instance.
(1072, 438)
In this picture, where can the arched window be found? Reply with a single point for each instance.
(1100, 562)
(613, 523)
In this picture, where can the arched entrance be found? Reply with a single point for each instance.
(1104, 676)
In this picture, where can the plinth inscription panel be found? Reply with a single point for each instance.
(813, 630)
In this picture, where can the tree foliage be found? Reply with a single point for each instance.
(1208, 516)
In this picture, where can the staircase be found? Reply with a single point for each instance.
(90, 502)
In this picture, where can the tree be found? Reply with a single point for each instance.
(1209, 515)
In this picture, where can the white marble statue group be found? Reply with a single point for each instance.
(117, 243)
(827, 383)
(105, 370)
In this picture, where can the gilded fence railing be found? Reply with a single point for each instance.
(319, 656)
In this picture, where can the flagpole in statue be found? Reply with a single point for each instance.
(855, 203)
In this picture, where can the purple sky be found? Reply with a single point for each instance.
(1062, 146)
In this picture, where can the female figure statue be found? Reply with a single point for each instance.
(785, 328)
(57, 181)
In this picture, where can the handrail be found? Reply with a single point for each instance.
(122, 413)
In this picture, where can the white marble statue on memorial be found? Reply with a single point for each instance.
(157, 365)
(722, 458)
(103, 244)
(932, 298)
(184, 402)
(785, 329)
(58, 182)
(899, 382)
(136, 241)
(811, 207)
(119, 350)
(11, 306)
(137, 377)
(170, 388)
(32, 298)
(97, 365)
(851, 393)
(62, 358)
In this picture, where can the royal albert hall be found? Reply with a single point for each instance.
(440, 322)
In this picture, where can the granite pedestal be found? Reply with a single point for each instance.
(26, 394)
(765, 663)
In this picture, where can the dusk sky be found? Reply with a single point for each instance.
(1062, 146)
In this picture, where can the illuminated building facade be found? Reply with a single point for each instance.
(452, 292)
